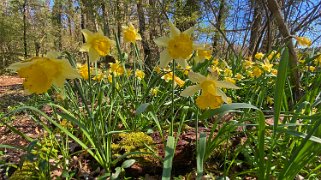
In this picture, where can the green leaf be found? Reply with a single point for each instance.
(169, 155)
(117, 172)
(142, 108)
(304, 135)
(128, 163)
(226, 107)
(279, 87)
(9, 147)
(201, 147)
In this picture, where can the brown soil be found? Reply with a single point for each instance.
(11, 94)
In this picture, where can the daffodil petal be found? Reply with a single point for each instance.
(19, 65)
(190, 91)
(138, 37)
(69, 71)
(59, 81)
(189, 31)
(225, 84)
(182, 62)
(93, 55)
(85, 47)
(174, 31)
(164, 59)
(162, 41)
(131, 25)
(222, 94)
(87, 34)
(53, 55)
(196, 77)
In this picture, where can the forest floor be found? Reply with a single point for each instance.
(11, 94)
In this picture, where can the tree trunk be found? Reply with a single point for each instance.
(105, 18)
(142, 29)
(219, 22)
(57, 21)
(25, 29)
(276, 12)
(255, 28)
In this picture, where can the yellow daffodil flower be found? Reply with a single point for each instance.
(215, 69)
(179, 46)
(248, 64)
(110, 78)
(83, 71)
(139, 74)
(304, 41)
(169, 77)
(212, 96)
(229, 79)
(239, 76)
(66, 124)
(274, 72)
(257, 72)
(273, 54)
(41, 73)
(302, 61)
(131, 34)
(269, 100)
(98, 77)
(267, 66)
(129, 72)
(97, 45)
(228, 72)
(157, 69)
(209, 101)
(310, 68)
(187, 70)
(216, 62)
(317, 60)
(259, 55)
(203, 52)
(154, 91)
(179, 81)
(117, 69)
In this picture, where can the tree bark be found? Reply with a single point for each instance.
(142, 29)
(219, 22)
(255, 28)
(25, 29)
(276, 12)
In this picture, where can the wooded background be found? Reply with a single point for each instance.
(34, 27)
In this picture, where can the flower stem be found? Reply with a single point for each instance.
(173, 111)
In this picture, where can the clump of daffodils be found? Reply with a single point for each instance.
(212, 96)
(97, 45)
(41, 73)
(131, 35)
(179, 46)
